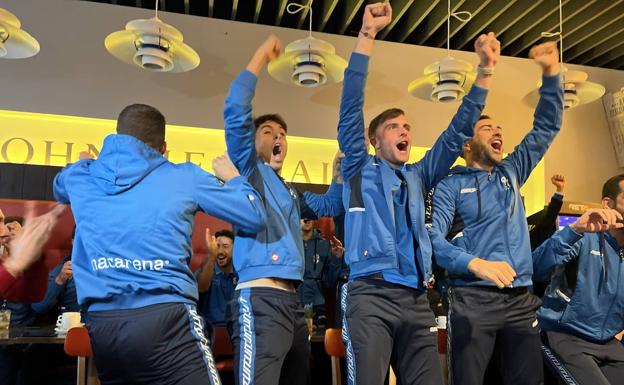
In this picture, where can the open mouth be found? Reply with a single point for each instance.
(277, 149)
(497, 145)
(402, 146)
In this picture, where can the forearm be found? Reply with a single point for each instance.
(204, 278)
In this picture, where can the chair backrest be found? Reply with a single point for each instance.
(333, 343)
(78, 343)
(222, 342)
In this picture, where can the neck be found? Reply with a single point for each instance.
(618, 234)
(480, 164)
(227, 269)
(307, 235)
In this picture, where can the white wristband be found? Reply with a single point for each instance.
(485, 71)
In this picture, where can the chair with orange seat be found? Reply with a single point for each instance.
(78, 344)
(222, 350)
(334, 347)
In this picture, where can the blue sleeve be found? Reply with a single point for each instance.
(240, 131)
(235, 201)
(52, 294)
(562, 247)
(59, 185)
(351, 127)
(314, 206)
(546, 124)
(439, 159)
(331, 272)
(452, 258)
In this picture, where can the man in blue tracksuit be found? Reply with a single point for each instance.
(269, 332)
(386, 312)
(134, 213)
(480, 236)
(217, 281)
(323, 262)
(583, 307)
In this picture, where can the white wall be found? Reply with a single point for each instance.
(74, 75)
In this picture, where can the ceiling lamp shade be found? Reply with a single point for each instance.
(445, 81)
(15, 43)
(308, 62)
(449, 79)
(152, 45)
(576, 90)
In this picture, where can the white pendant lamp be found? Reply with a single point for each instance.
(576, 89)
(15, 43)
(449, 79)
(152, 45)
(308, 62)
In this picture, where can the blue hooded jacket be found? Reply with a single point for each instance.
(585, 296)
(276, 252)
(481, 214)
(134, 213)
(370, 229)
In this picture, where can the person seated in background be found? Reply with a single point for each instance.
(583, 308)
(20, 250)
(323, 262)
(61, 294)
(20, 310)
(22, 273)
(547, 224)
(217, 281)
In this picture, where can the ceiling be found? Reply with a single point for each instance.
(593, 29)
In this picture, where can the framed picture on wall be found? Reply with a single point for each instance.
(614, 108)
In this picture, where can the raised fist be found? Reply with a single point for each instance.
(559, 182)
(547, 56)
(487, 47)
(376, 17)
(271, 48)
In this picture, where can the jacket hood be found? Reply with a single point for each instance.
(123, 162)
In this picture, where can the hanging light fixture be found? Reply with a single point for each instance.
(449, 79)
(152, 45)
(15, 43)
(308, 62)
(576, 89)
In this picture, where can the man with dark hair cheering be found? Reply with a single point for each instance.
(269, 332)
(386, 311)
(480, 236)
(583, 307)
(134, 213)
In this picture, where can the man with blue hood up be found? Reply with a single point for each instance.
(134, 213)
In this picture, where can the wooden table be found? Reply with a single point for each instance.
(20, 335)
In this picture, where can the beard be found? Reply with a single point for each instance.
(480, 154)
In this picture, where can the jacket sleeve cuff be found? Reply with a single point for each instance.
(558, 196)
(569, 236)
(461, 263)
(359, 63)
(551, 82)
(237, 180)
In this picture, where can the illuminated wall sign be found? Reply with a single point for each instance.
(55, 140)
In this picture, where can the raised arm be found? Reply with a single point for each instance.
(314, 206)
(234, 201)
(351, 127)
(437, 161)
(238, 115)
(564, 245)
(548, 114)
